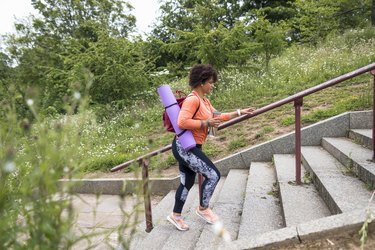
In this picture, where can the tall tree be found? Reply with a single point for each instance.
(270, 38)
(78, 18)
(4, 66)
(315, 19)
(5, 70)
(57, 45)
(274, 10)
(193, 31)
(196, 30)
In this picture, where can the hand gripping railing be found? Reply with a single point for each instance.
(297, 99)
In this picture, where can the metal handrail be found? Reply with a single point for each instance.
(300, 95)
(298, 101)
(146, 156)
(262, 110)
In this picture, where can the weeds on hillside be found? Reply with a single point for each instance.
(113, 139)
(363, 232)
(36, 210)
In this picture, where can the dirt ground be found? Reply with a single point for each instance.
(346, 241)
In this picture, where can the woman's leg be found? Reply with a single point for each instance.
(198, 162)
(187, 179)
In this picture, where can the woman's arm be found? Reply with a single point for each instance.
(188, 109)
(230, 115)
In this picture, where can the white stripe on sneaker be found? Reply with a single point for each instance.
(202, 216)
(171, 220)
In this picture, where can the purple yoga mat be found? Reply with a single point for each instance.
(167, 98)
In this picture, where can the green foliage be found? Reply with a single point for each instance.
(222, 32)
(219, 46)
(104, 163)
(286, 121)
(87, 36)
(36, 211)
(316, 19)
(307, 178)
(270, 37)
(275, 11)
(203, 34)
(127, 121)
(118, 70)
(211, 150)
(5, 71)
(268, 129)
(275, 191)
(64, 64)
(91, 36)
(33, 157)
(162, 162)
(237, 143)
(363, 232)
(81, 19)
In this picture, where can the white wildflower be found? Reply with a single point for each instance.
(77, 95)
(220, 231)
(9, 167)
(30, 102)
(66, 169)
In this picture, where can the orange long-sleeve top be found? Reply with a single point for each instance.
(205, 111)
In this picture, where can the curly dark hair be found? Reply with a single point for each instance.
(200, 73)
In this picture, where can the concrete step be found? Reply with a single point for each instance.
(300, 203)
(354, 157)
(229, 208)
(341, 191)
(362, 136)
(187, 240)
(158, 214)
(162, 228)
(261, 210)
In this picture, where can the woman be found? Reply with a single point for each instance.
(197, 115)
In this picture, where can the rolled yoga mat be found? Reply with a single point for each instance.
(170, 103)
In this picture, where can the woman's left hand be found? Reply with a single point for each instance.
(247, 111)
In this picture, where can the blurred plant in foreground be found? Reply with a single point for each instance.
(36, 209)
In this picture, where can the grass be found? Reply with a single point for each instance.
(138, 129)
(307, 178)
(275, 190)
(237, 143)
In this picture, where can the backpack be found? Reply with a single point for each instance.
(167, 122)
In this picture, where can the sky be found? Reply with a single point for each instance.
(145, 11)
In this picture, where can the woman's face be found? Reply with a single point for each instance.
(208, 86)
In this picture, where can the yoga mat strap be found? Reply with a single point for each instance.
(169, 101)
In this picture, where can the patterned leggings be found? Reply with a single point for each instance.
(192, 162)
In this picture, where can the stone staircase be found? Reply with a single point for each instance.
(260, 204)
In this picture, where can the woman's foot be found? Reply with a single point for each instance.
(178, 222)
(207, 215)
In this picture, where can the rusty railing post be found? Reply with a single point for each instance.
(373, 115)
(297, 107)
(146, 194)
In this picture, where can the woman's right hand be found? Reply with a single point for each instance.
(213, 122)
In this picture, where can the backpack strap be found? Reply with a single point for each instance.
(199, 105)
(175, 103)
